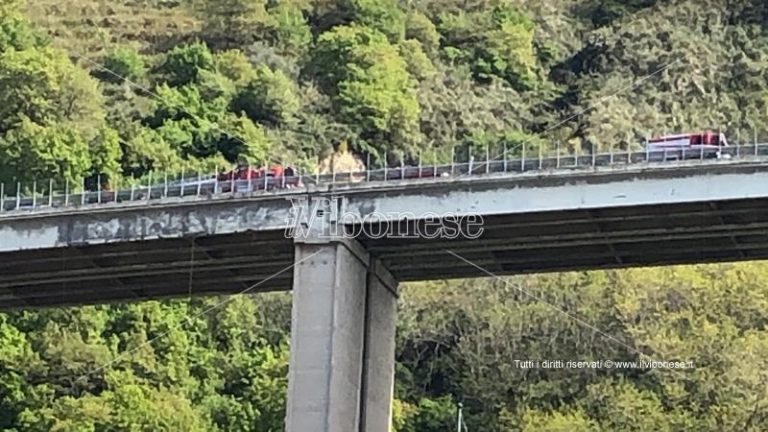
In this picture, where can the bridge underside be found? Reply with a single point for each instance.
(588, 239)
(512, 244)
(137, 270)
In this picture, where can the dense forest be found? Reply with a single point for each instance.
(123, 88)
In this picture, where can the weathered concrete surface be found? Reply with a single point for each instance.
(599, 189)
(484, 195)
(379, 351)
(340, 379)
(135, 223)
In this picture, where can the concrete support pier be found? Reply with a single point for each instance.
(341, 374)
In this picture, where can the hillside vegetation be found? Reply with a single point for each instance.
(121, 89)
(214, 82)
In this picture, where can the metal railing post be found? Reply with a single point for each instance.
(199, 181)
(165, 185)
(98, 186)
(385, 166)
(453, 160)
(629, 154)
(459, 418)
(116, 189)
(504, 153)
(419, 164)
(541, 161)
(133, 188)
(149, 187)
(18, 195)
(50, 193)
(487, 160)
(2, 196)
(368, 168)
(522, 159)
(181, 192)
(66, 193)
(755, 143)
(266, 178)
(34, 193)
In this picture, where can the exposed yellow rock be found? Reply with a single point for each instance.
(341, 162)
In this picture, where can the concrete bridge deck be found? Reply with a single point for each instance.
(603, 218)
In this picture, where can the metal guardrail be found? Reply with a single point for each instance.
(208, 186)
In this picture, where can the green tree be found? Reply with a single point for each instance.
(147, 151)
(235, 66)
(417, 63)
(183, 64)
(508, 48)
(105, 153)
(534, 421)
(240, 140)
(123, 63)
(382, 15)
(269, 97)
(140, 407)
(370, 84)
(292, 33)
(17, 357)
(430, 415)
(186, 102)
(30, 152)
(420, 28)
(44, 86)
(15, 30)
(232, 23)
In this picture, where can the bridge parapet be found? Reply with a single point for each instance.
(47, 196)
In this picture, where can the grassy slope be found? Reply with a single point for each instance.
(90, 26)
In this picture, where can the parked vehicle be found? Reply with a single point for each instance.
(246, 179)
(688, 146)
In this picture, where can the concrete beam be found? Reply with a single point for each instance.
(489, 196)
(118, 224)
(342, 340)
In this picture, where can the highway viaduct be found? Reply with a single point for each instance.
(344, 290)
